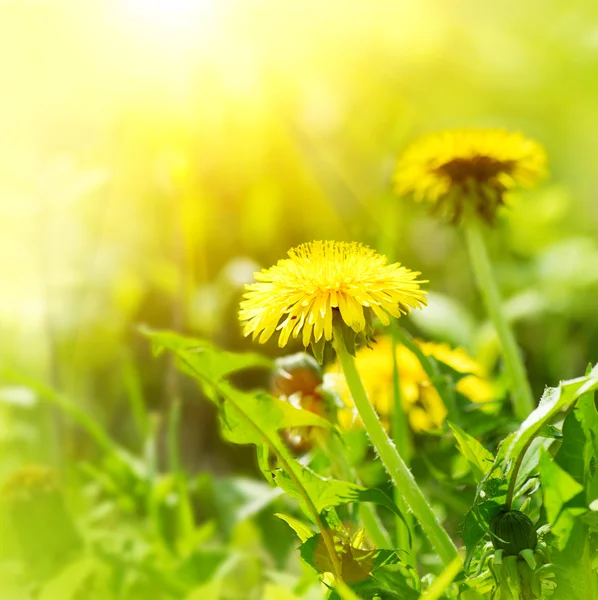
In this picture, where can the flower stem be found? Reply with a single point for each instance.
(401, 438)
(522, 396)
(392, 460)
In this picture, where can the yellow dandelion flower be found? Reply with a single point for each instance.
(468, 171)
(456, 358)
(419, 398)
(324, 283)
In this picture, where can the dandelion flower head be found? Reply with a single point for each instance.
(322, 284)
(465, 172)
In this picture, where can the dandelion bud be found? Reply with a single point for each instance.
(296, 373)
(512, 531)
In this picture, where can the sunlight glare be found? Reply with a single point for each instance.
(166, 17)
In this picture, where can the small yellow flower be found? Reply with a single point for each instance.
(421, 402)
(322, 283)
(468, 171)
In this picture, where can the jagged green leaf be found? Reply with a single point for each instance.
(253, 418)
(480, 460)
(303, 531)
(328, 493)
(205, 359)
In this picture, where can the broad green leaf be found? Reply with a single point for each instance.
(558, 487)
(588, 419)
(480, 460)
(554, 400)
(559, 490)
(303, 531)
(571, 454)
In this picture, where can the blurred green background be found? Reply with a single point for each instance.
(154, 154)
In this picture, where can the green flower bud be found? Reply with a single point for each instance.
(512, 531)
(296, 373)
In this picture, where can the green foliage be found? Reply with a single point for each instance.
(479, 459)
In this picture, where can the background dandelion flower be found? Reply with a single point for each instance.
(421, 402)
(327, 281)
(468, 171)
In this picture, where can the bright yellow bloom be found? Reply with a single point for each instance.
(421, 402)
(469, 170)
(322, 282)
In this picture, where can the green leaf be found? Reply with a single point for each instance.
(571, 454)
(554, 400)
(327, 493)
(480, 460)
(303, 531)
(204, 358)
(252, 418)
(559, 490)
(558, 487)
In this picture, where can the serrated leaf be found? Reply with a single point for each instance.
(206, 360)
(250, 418)
(303, 531)
(327, 492)
(554, 400)
(480, 460)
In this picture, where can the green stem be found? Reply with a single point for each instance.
(391, 459)
(522, 396)
(402, 440)
(373, 526)
(515, 473)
